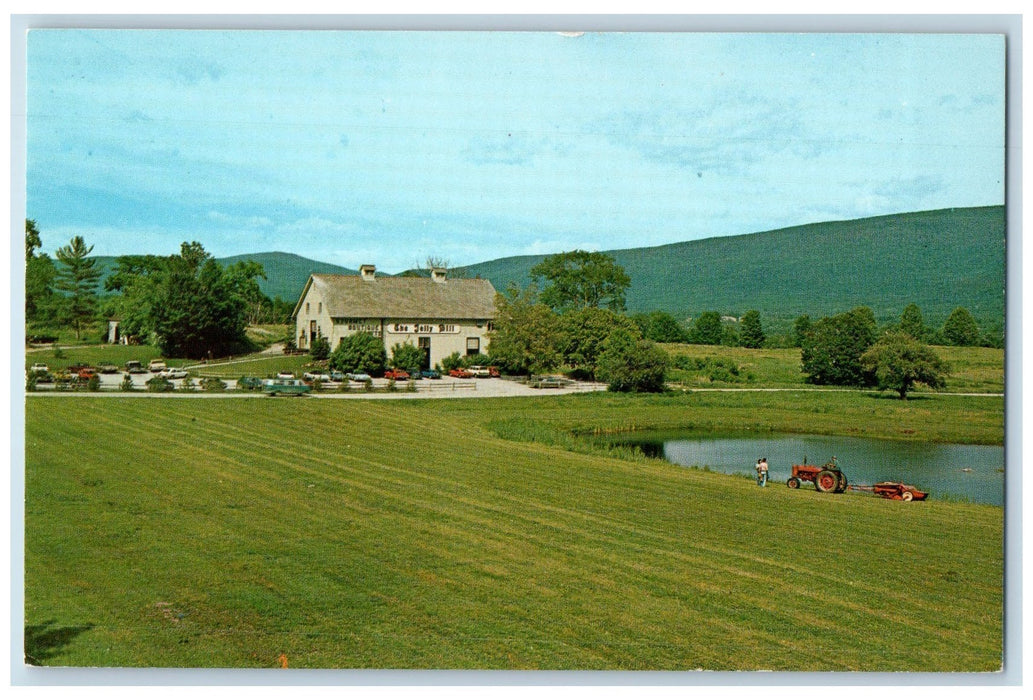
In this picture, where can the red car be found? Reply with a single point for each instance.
(396, 374)
(460, 372)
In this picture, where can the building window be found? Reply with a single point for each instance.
(473, 346)
(320, 307)
(307, 307)
(491, 326)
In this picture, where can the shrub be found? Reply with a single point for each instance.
(93, 383)
(127, 383)
(451, 362)
(406, 355)
(344, 387)
(392, 385)
(320, 349)
(317, 385)
(716, 369)
(158, 384)
(630, 364)
(213, 384)
(31, 380)
(478, 359)
(361, 352)
(368, 385)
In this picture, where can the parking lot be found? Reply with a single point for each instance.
(447, 387)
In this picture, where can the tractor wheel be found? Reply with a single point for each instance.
(793, 483)
(841, 486)
(907, 496)
(826, 481)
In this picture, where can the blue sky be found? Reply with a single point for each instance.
(389, 147)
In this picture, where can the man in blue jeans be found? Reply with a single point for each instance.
(762, 471)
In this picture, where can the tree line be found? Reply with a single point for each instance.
(187, 304)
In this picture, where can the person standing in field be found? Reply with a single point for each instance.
(762, 471)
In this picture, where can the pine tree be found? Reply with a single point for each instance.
(77, 279)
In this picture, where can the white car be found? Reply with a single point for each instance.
(157, 366)
(173, 373)
(39, 367)
(479, 371)
(313, 376)
(285, 375)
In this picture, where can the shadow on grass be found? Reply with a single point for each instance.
(43, 642)
(886, 396)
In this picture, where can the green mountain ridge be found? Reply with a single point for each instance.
(938, 259)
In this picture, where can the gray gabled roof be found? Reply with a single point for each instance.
(350, 296)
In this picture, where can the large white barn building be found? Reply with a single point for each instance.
(437, 314)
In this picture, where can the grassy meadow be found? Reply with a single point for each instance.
(483, 534)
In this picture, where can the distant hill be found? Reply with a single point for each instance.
(287, 273)
(937, 259)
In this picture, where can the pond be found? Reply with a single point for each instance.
(965, 472)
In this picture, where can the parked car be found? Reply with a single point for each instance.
(313, 376)
(337, 376)
(396, 374)
(173, 373)
(108, 368)
(460, 373)
(479, 371)
(295, 387)
(156, 366)
(249, 383)
(86, 373)
(494, 372)
(135, 367)
(41, 372)
(285, 375)
(431, 374)
(358, 376)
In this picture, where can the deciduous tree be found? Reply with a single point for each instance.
(707, 329)
(832, 349)
(899, 361)
(583, 333)
(661, 327)
(526, 335)
(579, 279)
(961, 328)
(751, 334)
(631, 364)
(39, 277)
(801, 327)
(911, 322)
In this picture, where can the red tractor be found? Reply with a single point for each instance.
(827, 477)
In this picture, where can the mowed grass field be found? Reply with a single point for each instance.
(409, 534)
